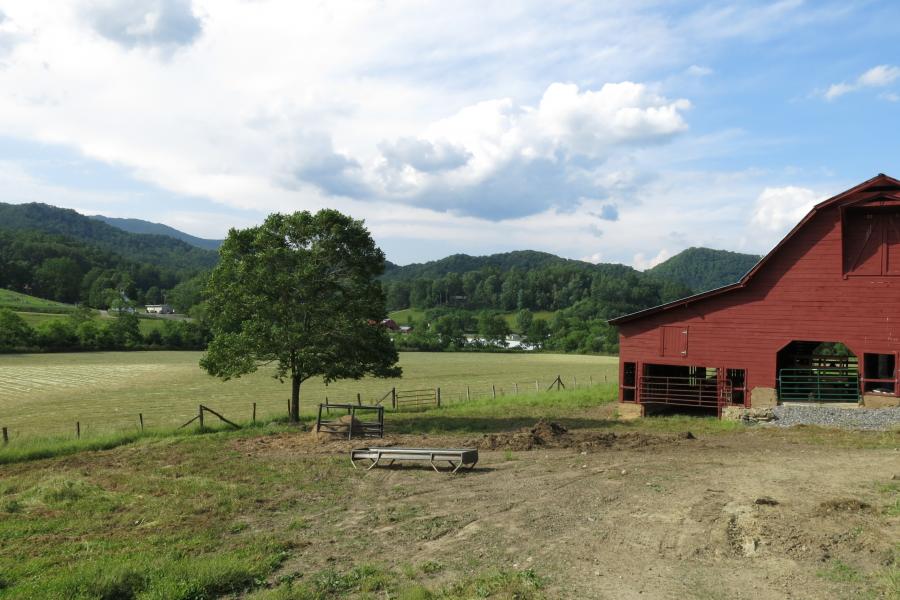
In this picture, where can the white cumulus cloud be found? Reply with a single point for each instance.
(880, 76)
(778, 209)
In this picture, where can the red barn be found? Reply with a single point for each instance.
(817, 319)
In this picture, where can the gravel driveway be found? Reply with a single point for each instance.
(844, 418)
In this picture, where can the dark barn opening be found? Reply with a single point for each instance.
(814, 371)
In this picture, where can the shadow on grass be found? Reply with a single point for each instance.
(425, 468)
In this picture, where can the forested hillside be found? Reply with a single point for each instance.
(703, 269)
(64, 269)
(581, 295)
(141, 226)
(159, 250)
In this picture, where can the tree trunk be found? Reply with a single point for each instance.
(295, 398)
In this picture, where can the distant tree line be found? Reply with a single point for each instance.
(583, 296)
(82, 330)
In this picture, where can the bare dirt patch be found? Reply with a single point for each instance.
(612, 514)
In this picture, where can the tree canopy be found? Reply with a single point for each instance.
(299, 292)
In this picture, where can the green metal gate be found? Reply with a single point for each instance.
(824, 384)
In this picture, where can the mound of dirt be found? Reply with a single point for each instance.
(548, 430)
(547, 434)
(842, 505)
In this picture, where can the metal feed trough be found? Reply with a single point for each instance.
(457, 457)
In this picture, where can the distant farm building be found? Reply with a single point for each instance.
(160, 309)
(817, 319)
(390, 325)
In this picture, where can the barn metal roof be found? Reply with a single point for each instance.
(879, 183)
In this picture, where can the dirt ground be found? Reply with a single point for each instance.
(761, 514)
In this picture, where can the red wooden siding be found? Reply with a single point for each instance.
(812, 287)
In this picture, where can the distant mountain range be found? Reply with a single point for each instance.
(34, 238)
(699, 269)
(141, 226)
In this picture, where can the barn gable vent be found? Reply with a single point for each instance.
(871, 241)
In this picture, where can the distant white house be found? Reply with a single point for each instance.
(160, 309)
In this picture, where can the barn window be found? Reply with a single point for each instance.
(880, 373)
(673, 341)
(629, 381)
(871, 242)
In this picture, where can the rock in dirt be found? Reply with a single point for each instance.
(766, 501)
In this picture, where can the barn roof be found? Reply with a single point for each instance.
(881, 183)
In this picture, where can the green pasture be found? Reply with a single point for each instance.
(25, 303)
(34, 319)
(45, 394)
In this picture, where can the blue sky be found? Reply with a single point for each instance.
(616, 132)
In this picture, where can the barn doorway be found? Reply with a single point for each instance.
(815, 371)
(689, 389)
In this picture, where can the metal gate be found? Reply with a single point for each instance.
(834, 384)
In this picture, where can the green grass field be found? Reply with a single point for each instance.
(34, 319)
(45, 394)
(25, 303)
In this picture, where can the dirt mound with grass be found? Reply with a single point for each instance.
(842, 505)
(548, 434)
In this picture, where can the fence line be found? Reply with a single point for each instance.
(396, 399)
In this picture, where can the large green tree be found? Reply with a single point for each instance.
(299, 292)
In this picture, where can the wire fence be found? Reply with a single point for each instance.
(393, 399)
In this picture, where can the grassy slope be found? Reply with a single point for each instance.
(25, 303)
(36, 318)
(46, 393)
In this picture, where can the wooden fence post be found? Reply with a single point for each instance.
(516, 385)
(493, 391)
(468, 395)
(5, 436)
(591, 380)
(394, 397)
(77, 429)
(200, 416)
(438, 395)
(141, 419)
(536, 386)
(254, 412)
(358, 399)
(575, 380)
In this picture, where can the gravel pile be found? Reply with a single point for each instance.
(844, 418)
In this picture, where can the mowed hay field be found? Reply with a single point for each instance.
(46, 394)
